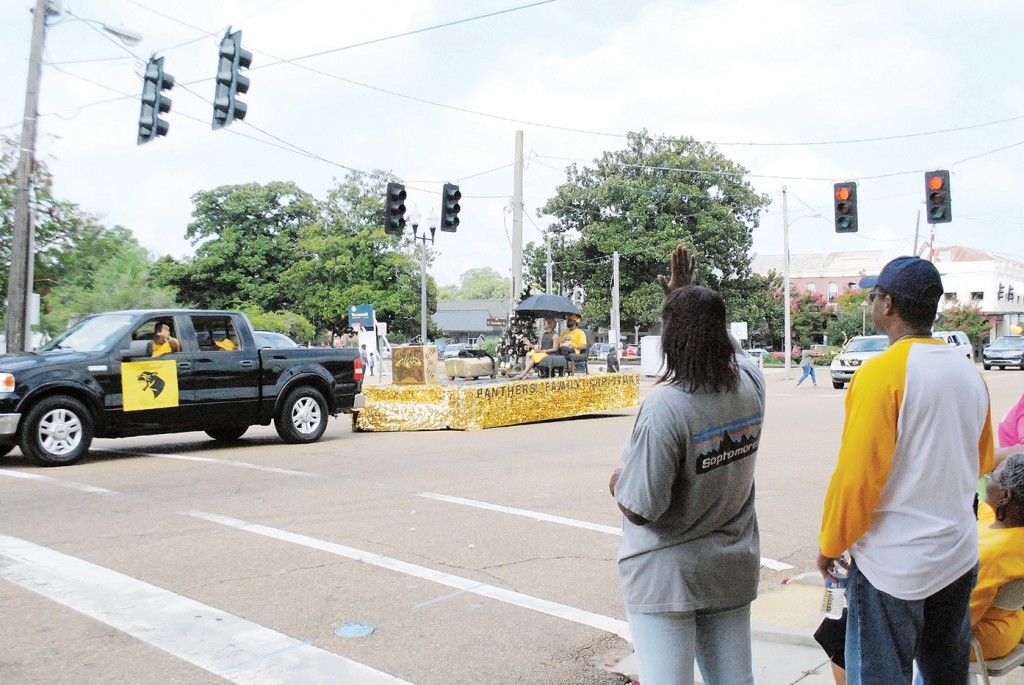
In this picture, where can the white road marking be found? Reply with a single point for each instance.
(587, 618)
(219, 462)
(538, 516)
(576, 523)
(58, 482)
(231, 647)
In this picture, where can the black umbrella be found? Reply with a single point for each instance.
(547, 305)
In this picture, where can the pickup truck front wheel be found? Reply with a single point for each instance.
(302, 417)
(57, 431)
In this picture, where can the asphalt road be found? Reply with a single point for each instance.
(483, 557)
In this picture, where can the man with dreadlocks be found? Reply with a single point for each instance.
(690, 553)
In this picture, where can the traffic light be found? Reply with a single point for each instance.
(450, 208)
(1002, 289)
(1009, 293)
(845, 200)
(394, 209)
(154, 102)
(226, 106)
(937, 197)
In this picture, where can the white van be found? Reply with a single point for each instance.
(957, 339)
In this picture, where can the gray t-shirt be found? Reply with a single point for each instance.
(690, 471)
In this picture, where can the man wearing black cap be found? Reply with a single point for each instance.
(916, 437)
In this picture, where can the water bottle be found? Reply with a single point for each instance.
(834, 600)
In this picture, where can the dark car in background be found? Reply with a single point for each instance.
(272, 339)
(1007, 350)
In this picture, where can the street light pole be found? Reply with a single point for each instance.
(414, 220)
(19, 285)
(788, 344)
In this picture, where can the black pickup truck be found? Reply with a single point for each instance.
(100, 379)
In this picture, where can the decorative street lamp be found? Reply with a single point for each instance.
(413, 218)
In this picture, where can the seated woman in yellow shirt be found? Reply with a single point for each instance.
(1001, 549)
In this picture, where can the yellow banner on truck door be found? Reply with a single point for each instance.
(149, 384)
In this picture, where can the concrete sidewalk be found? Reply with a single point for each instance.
(782, 625)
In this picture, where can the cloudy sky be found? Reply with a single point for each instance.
(803, 93)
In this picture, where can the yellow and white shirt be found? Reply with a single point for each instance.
(918, 433)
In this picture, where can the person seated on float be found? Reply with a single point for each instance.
(574, 340)
(163, 343)
(1001, 554)
(548, 344)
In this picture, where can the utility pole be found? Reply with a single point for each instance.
(517, 221)
(788, 344)
(19, 286)
(547, 267)
(615, 299)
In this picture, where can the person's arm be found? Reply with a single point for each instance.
(632, 517)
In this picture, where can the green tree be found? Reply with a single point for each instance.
(116, 277)
(809, 318)
(59, 225)
(483, 283)
(295, 326)
(758, 301)
(246, 237)
(346, 259)
(967, 318)
(642, 201)
(851, 317)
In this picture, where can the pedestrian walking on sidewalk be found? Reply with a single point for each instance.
(807, 362)
(690, 554)
(917, 434)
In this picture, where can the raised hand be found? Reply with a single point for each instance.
(682, 267)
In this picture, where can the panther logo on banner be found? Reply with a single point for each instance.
(149, 385)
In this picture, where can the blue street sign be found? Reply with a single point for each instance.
(361, 314)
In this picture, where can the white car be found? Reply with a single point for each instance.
(857, 351)
(957, 339)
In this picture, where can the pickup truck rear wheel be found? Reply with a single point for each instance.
(227, 434)
(57, 431)
(302, 417)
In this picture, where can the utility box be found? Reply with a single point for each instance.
(652, 362)
(414, 365)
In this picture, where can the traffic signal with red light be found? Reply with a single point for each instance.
(937, 199)
(154, 102)
(450, 208)
(844, 197)
(232, 58)
(394, 209)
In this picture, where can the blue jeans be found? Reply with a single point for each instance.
(667, 644)
(808, 371)
(885, 635)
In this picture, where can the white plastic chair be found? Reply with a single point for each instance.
(1009, 597)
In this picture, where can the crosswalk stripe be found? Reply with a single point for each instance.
(563, 611)
(229, 646)
(576, 523)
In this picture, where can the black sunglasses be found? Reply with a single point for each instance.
(875, 294)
